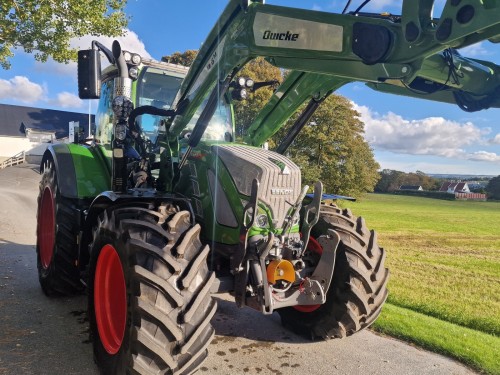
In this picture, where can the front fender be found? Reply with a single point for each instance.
(81, 170)
(136, 198)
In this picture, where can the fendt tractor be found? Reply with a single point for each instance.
(162, 207)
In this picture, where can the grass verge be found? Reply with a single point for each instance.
(476, 349)
(444, 290)
(444, 256)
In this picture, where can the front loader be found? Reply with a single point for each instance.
(163, 207)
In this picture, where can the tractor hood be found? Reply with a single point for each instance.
(279, 177)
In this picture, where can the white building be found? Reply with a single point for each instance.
(32, 129)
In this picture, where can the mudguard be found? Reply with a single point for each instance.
(134, 198)
(81, 170)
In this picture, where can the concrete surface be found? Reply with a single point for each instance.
(46, 336)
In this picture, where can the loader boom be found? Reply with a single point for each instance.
(406, 55)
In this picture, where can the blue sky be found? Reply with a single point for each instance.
(406, 134)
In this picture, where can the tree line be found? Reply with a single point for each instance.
(391, 180)
(493, 188)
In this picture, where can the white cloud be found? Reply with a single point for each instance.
(434, 136)
(496, 139)
(67, 100)
(483, 156)
(475, 50)
(429, 136)
(22, 89)
(130, 42)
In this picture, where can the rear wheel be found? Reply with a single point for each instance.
(57, 249)
(149, 292)
(359, 285)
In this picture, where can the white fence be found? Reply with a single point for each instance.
(15, 160)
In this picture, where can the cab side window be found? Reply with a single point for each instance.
(104, 114)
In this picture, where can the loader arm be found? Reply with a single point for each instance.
(407, 55)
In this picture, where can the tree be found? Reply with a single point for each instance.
(390, 180)
(331, 148)
(185, 58)
(46, 27)
(493, 188)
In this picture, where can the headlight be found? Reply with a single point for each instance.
(127, 55)
(239, 94)
(133, 73)
(136, 59)
(122, 106)
(242, 81)
(262, 221)
(120, 131)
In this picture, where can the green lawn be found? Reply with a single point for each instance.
(444, 258)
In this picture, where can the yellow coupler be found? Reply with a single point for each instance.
(280, 270)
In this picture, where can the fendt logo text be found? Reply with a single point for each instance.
(277, 191)
(269, 35)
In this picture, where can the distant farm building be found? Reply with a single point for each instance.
(411, 188)
(461, 191)
(455, 187)
(27, 130)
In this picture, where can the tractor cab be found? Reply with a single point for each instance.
(154, 84)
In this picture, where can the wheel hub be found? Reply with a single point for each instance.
(110, 299)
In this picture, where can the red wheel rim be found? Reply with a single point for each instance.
(46, 232)
(110, 299)
(315, 247)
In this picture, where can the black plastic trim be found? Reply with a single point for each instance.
(65, 169)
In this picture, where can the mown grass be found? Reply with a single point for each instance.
(474, 348)
(444, 258)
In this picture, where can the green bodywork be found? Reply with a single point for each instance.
(83, 171)
(92, 170)
(322, 53)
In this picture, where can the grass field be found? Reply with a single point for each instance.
(444, 258)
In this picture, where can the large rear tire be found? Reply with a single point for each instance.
(149, 292)
(359, 285)
(56, 246)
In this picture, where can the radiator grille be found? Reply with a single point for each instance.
(279, 177)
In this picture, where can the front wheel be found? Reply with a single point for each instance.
(149, 292)
(56, 245)
(359, 286)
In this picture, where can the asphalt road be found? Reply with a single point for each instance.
(50, 336)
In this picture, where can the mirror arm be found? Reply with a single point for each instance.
(105, 50)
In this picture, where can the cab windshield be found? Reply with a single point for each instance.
(220, 127)
(158, 88)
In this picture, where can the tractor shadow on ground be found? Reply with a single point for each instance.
(233, 322)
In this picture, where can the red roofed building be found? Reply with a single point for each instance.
(455, 187)
(461, 191)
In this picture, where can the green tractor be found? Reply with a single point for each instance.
(161, 208)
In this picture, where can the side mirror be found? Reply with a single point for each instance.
(89, 74)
